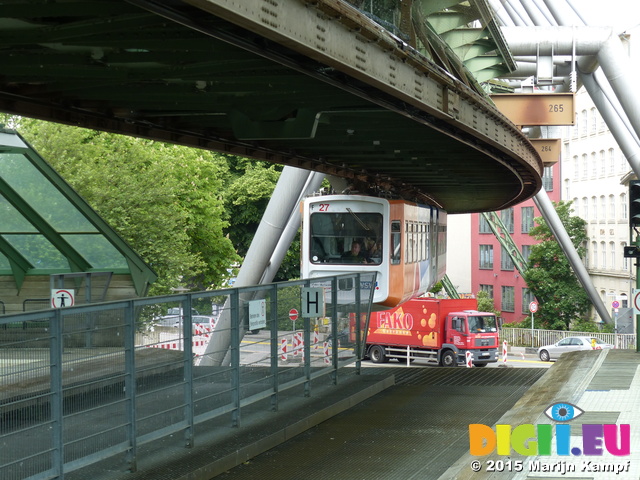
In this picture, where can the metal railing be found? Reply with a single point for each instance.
(526, 337)
(94, 382)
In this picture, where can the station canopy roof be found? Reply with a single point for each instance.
(47, 228)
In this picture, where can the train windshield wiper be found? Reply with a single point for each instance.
(362, 224)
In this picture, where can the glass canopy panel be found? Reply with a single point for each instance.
(38, 251)
(98, 251)
(12, 220)
(41, 195)
(4, 263)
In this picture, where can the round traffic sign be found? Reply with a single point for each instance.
(293, 314)
(615, 304)
(636, 301)
(533, 307)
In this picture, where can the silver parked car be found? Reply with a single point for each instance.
(570, 344)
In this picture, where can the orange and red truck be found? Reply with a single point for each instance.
(440, 331)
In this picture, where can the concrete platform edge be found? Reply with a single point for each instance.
(264, 444)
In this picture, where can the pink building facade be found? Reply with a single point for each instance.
(491, 267)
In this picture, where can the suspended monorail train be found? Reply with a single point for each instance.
(403, 242)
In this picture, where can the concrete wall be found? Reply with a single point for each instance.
(459, 252)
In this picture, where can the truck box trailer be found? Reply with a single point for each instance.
(440, 331)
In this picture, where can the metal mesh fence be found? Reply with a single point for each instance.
(526, 337)
(87, 383)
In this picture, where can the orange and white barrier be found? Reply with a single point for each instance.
(200, 329)
(469, 359)
(294, 344)
(504, 352)
(327, 358)
(283, 349)
(298, 344)
(175, 341)
(316, 340)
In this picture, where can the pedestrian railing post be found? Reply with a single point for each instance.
(130, 385)
(235, 357)
(273, 315)
(187, 334)
(57, 411)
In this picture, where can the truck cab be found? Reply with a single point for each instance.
(473, 331)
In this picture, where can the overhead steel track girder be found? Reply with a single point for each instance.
(291, 82)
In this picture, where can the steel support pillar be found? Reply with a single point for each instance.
(267, 248)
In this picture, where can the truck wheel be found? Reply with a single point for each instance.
(377, 355)
(448, 359)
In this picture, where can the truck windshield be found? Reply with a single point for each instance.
(347, 237)
(482, 323)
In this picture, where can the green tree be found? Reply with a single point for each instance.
(549, 275)
(486, 303)
(166, 201)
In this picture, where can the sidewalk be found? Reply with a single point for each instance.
(522, 352)
(605, 386)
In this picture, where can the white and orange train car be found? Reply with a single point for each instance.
(404, 243)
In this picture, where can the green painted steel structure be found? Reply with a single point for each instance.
(47, 228)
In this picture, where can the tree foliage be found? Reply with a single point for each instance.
(166, 201)
(549, 275)
(486, 303)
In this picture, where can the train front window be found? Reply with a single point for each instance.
(346, 238)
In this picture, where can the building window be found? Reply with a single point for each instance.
(624, 300)
(594, 120)
(488, 289)
(583, 123)
(624, 206)
(603, 125)
(547, 179)
(585, 166)
(625, 260)
(585, 207)
(527, 298)
(594, 208)
(612, 255)
(484, 225)
(576, 167)
(612, 208)
(594, 254)
(603, 163)
(527, 219)
(526, 251)
(603, 208)
(612, 161)
(594, 165)
(506, 263)
(603, 246)
(486, 257)
(508, 302)
(507, 218)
